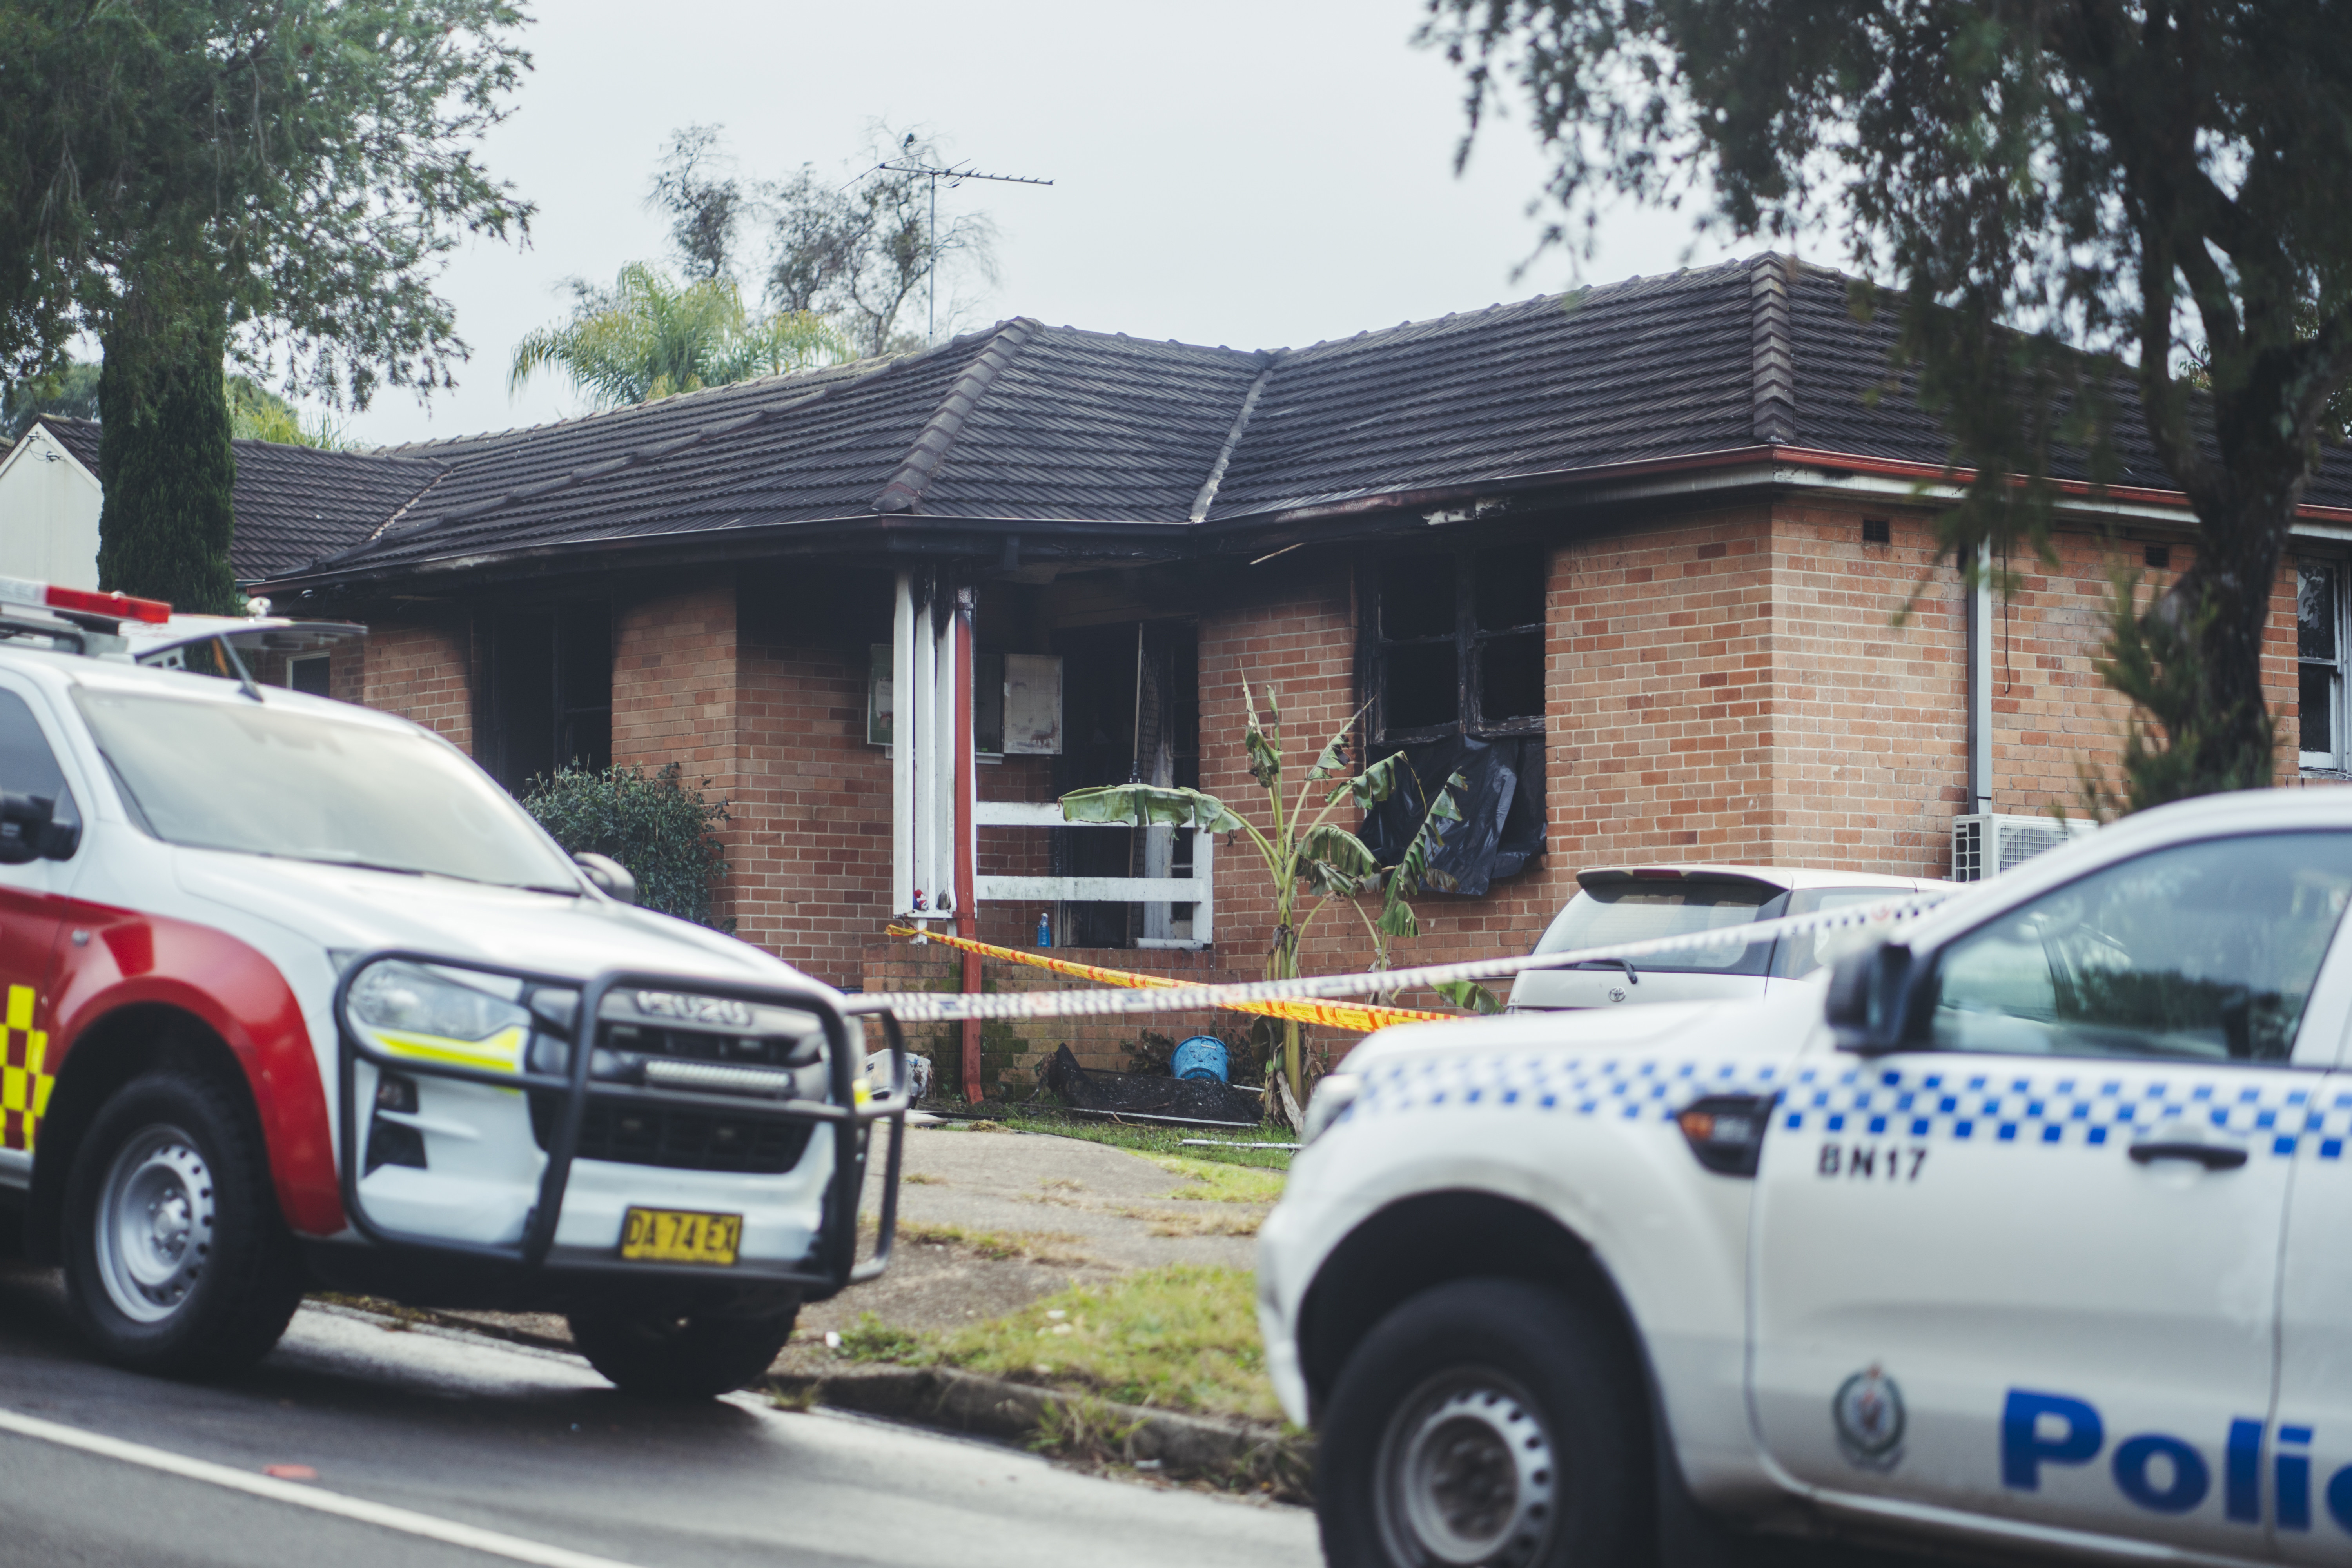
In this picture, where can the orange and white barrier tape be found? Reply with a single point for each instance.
(934, 1007)
(1362, 1017)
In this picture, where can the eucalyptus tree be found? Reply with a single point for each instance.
(2067, 195)
(282, 179)
(649, 336)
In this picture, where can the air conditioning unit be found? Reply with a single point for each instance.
(1985, 845)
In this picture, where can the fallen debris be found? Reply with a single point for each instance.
(1150, 1097)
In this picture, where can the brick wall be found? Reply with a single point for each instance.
(423, 671)
(1867, 718)
(676, 697)
(814, 876)
(1660, 691)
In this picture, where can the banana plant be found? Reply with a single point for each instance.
(1307, 854)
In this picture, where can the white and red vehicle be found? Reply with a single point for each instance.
(295, 994)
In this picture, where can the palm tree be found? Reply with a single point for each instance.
(649, 336)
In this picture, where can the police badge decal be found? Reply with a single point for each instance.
(1868, 1414)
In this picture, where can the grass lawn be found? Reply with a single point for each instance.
(1150, 1138)
(1178, 1338)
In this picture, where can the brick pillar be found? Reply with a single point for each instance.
(676, 697)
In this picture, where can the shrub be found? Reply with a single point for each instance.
(665, 833)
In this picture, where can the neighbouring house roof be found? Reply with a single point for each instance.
(1057, 429)
(293, 504)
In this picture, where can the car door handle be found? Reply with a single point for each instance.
(2213, 1156)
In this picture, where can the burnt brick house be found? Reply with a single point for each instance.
(1646, 550)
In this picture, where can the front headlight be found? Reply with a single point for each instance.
(409, 1010)
(1334, 1092)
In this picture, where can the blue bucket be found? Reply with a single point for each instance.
(1202, 1058)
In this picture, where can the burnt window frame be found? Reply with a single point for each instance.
(1468, 637)
(565, 709)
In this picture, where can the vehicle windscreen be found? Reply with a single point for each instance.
(271, 781)
(1636, 911)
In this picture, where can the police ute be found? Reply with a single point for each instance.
(2029, 1237)
(296, 996)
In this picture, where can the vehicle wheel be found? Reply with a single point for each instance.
(679, 1356)
(176, 1258)
(1484, 1421)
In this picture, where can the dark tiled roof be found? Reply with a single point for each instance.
(1656, 367)
(1024, 422)
(293, 504)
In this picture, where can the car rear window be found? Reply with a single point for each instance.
(1637, 910)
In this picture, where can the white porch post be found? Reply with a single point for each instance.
(902, 748)
(922, 738)
(947, 776)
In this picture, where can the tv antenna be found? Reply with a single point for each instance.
(954, 175)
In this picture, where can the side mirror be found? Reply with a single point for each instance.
(29, 830)
(1868, 1006)
(610, 877)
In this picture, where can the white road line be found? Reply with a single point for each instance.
(407, 1521)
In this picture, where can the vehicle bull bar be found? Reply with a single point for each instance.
(832, 1261)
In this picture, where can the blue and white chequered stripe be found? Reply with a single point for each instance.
(1631, 1088)
(2277, 1111)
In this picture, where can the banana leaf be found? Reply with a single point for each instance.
(1469, 995)
(1150, 805)
(1397, 918)
(1335, 862)
(1264, 744)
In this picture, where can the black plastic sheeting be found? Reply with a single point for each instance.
(1502, 825)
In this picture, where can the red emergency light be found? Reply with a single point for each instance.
(81, 601)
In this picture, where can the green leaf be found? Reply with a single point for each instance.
(1371, 786)
(1152, 805)
(1469, 995)
(1412, 870)
(1340, 848)
(1264, 743)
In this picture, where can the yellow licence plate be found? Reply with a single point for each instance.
(677, 1236)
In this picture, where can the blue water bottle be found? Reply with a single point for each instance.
(1044, 928)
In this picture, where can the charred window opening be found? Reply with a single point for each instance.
(550, 689)
(1130, 711)
(1457, 643)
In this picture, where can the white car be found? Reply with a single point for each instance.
(2030, 1234)
(296, 995)
(1634, 903)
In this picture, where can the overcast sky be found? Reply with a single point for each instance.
(1262, 174)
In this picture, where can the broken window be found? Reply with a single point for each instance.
(1457, 643)
(1130, 711)
(1454, 649)
(550, 689)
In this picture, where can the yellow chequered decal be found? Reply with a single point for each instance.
(25, 1077)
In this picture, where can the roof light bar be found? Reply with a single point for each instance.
(120, 606)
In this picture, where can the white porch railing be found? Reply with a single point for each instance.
(1199, 890)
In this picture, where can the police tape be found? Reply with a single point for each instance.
(1362, 1017)
(937, 1007)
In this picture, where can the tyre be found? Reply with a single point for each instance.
(679, 1356)
(176, 1258)
(1487, 1422)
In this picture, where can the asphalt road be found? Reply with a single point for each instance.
(430, 1437)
